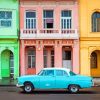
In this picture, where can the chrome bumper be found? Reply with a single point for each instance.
(18, 85)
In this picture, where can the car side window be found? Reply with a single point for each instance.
(47, 73)
(42, 73)
(50, 72)
(65, 73)
(61, 73)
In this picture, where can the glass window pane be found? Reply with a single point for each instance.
(34, 23)
(50, 72)
(45, 61)
(33, 61)
(65, 73)
(31, 52)
(29, 61)
(52, 52)
(30, 15)
(66, 20)
(42, 73)
(5, 23)
(8, 15)
(66, 13)
(72, 73)
(30, 20)
(31, 58)
(95, 22)
(2, 14)
(45, 52)
(12, 71)
(5, 15)
(5, 18)
(59, 73)
(48, 13)
(93, 60)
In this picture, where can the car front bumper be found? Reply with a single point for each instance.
(19, 85)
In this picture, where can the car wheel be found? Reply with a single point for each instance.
(73, 88)
(28, 87)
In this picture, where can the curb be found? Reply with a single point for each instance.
(1, 85)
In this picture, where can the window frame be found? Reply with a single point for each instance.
(31, 57)
(31, 19)
(52, 58)
(45, 56)
(11, 19)
(62, 74)
(91, 62)
(44, 72)
(64, 18)
(48, 18)
(94, 27)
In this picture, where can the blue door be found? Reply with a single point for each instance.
(47, 79)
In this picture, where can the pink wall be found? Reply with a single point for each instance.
(39, 59)
(57, 13)
(58, 49)
(22, 58)
(26, 5)
(76, 56)
(58, 56)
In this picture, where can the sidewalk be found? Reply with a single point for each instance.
(8, 82)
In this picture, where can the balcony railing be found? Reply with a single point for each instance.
(49, 34)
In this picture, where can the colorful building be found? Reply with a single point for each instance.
(9, 45)
(48, 35)
(90, 37)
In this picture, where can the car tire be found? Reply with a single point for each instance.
(28, 87)
(73, 88)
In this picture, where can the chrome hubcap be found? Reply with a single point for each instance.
(28, 88)
(74, 89)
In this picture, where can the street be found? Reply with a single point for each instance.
(13, 93)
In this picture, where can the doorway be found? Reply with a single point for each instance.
(67, 62)
(7, 64)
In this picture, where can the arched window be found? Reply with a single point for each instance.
(93, 60)
(96, 22)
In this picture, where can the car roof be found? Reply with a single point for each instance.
(56, 68)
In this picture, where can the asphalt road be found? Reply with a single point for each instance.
(13, 93)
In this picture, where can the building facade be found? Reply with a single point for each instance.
(9, 45)
(90, 37)
(48, 35)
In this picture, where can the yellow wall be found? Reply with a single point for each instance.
(89, 41)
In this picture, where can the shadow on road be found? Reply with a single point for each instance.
(94, 90)
(60, 92)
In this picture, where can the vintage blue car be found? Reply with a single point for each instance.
(54, 78)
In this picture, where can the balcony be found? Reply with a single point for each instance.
(49, 34)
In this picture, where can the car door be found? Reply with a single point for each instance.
(62, 79)
(47, 79)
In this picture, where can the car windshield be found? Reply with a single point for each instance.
(40, 72)
(72, 73)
